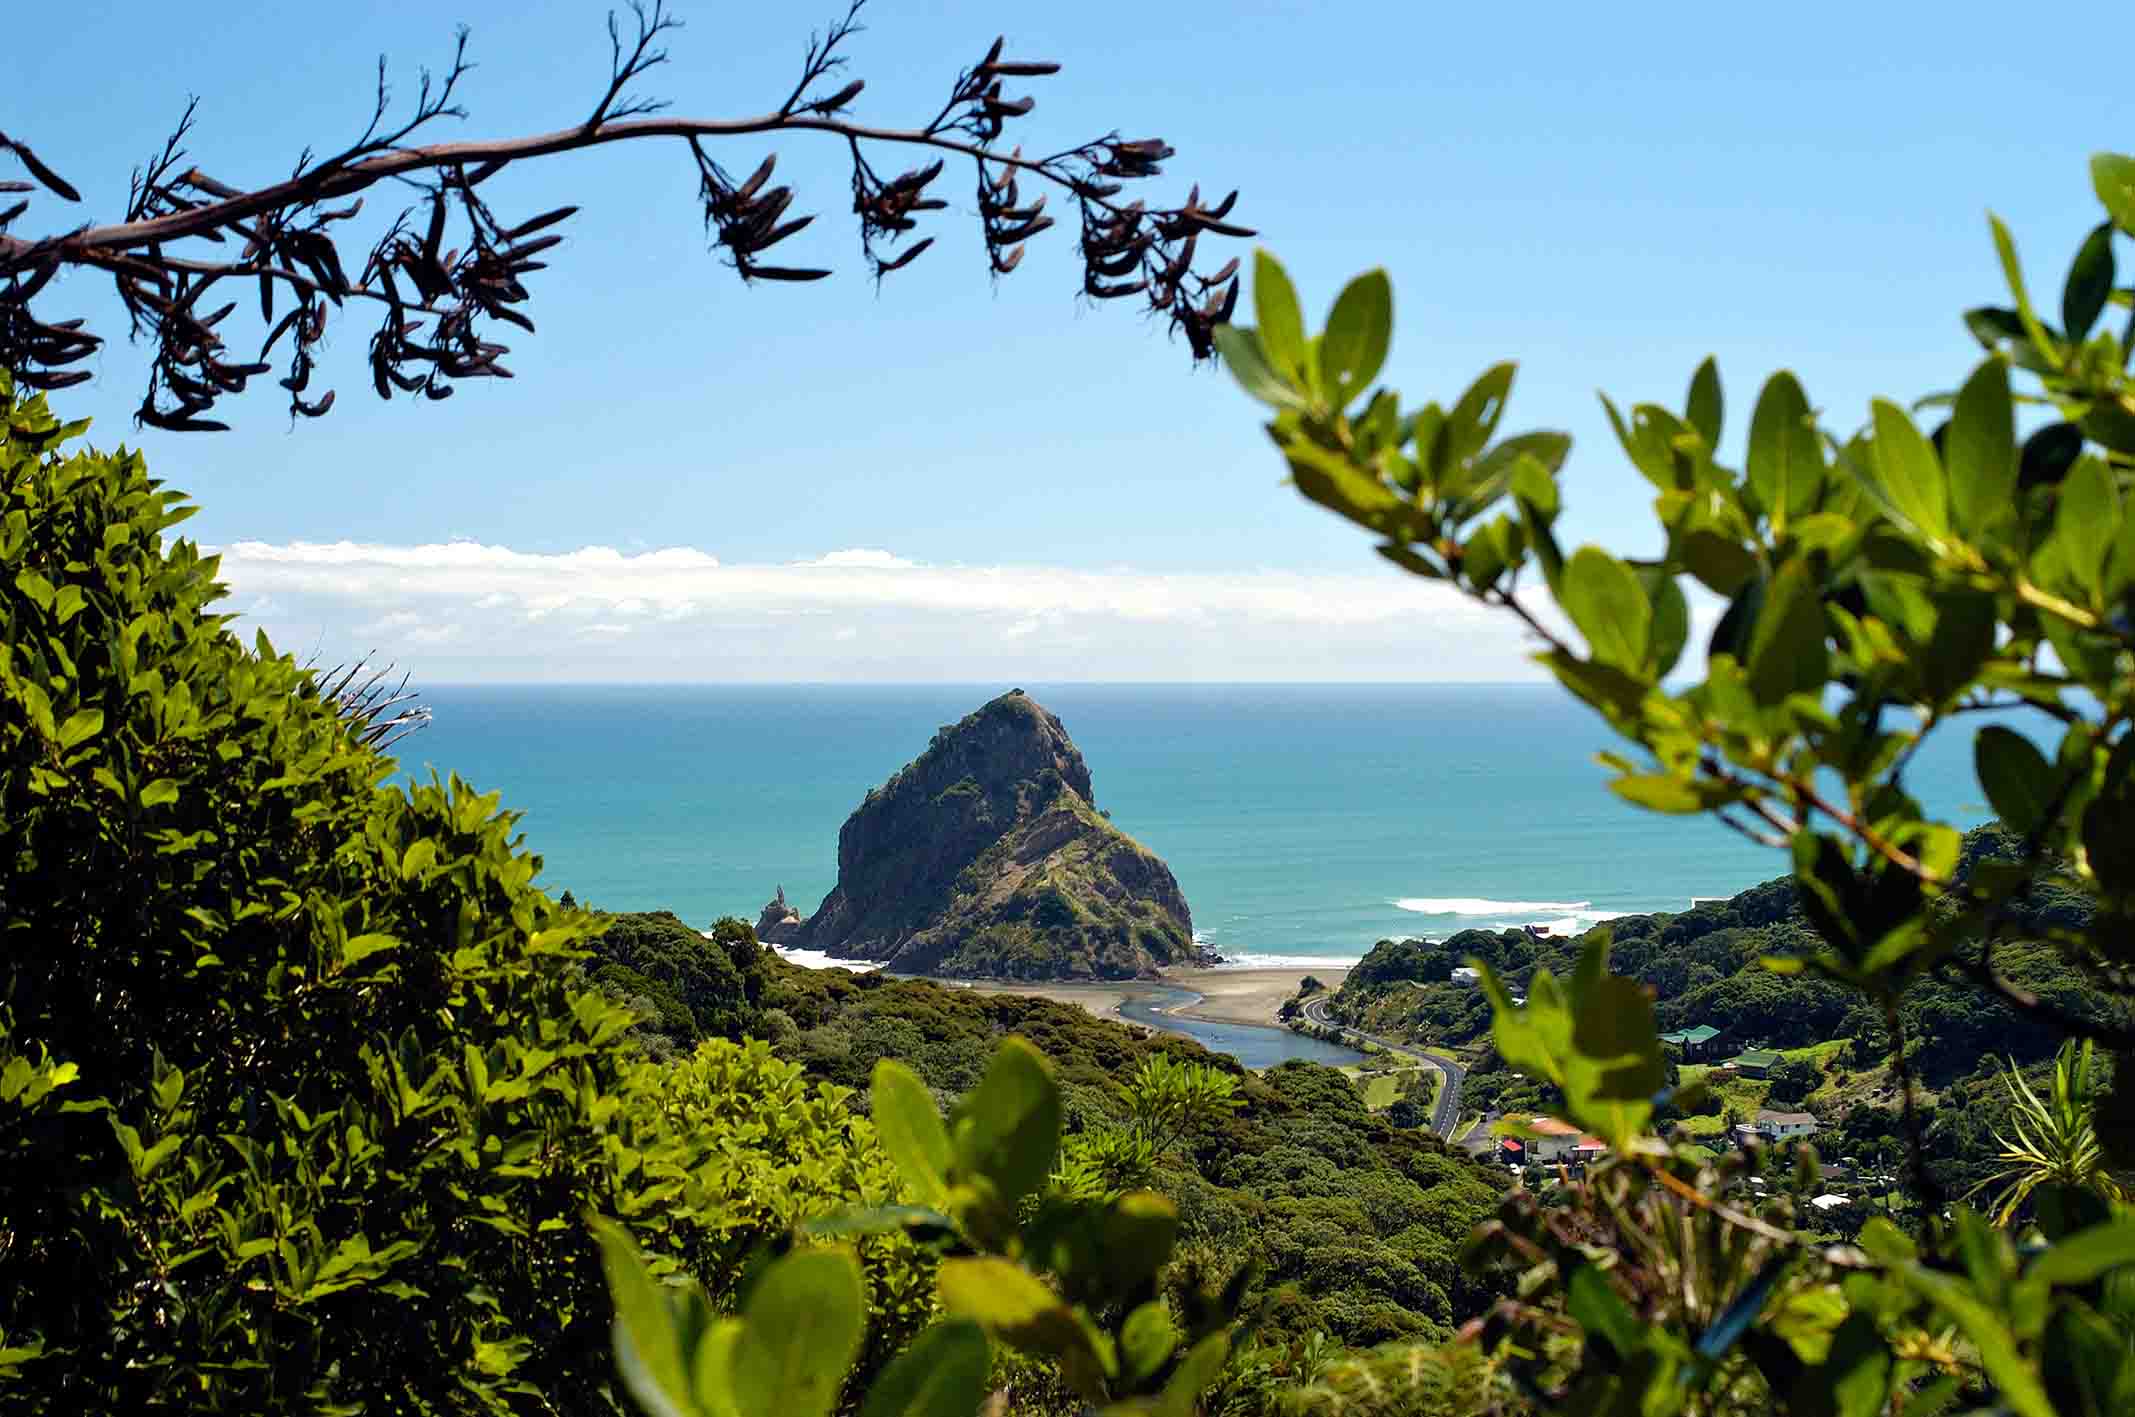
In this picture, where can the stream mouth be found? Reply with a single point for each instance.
(1257, 1046)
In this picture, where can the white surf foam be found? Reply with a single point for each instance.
(817, 959)
(1576, 923)
(1261, 961)
(1480, 905)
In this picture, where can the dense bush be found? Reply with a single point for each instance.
(1882, 588)
(687, 986)
(302, 1099)
(1298, 1177)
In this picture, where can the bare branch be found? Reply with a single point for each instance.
(447, 269)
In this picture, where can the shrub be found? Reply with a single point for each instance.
(313, 1100)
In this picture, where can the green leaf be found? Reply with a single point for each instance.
(1013, 1303)
(2087, 1254)
(1147, 1340)
(1671, 620)
(2013, 272)
(918, 1221)
(81, 725)
(159, 793)
(1908, 472)
(1601, 1311)
(1359, 330)
(1474, 420)
(362, 947)
(1607, 689)
(646, 1349)
(1852, 1379)
(2087, 519)
(1603, 598)
(1702, 410)
(804, 1321)
(997, 1292)
(36, 587)
(911, 1130)
(1980, 449)
(2016, 777)
(1786, 649)
(1196, 1371)
(2090, 283)
(2113, 178)
(1659, 792)
(1786, 461)
(421, 857)
(1720, 563)
(1008, 1129)
(942, 1374)
(1613, 1032)
(1136, 1238)
(2018, 1379)
(1280, 318)
(1241, 351)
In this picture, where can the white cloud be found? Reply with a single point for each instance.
(466, 610)
(864, 556)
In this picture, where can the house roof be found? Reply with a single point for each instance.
(1551, 1127)
(1787, 1119)
(1756, 1058)
(1830, 1201)
(1703, 1033)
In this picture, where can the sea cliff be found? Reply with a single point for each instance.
(987, 856)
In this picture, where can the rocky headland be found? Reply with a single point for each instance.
(987, 857)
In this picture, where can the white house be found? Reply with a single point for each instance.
(1782, 1126)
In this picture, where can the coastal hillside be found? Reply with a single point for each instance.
(987, 856)
(1351, 1226)
(1824, 1047)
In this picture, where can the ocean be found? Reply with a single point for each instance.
(1304, 823)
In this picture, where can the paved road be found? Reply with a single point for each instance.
(1448, 1112)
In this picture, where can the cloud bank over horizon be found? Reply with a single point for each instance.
(465, 611)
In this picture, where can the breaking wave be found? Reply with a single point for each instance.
(1261, 961)
(1479, 905)
(817, 959)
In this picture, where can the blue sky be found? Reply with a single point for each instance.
(1605, 193)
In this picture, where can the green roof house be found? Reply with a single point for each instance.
(1756, 1063)
(1692, 1043)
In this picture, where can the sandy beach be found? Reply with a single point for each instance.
(1246, 995)
(1227, 995)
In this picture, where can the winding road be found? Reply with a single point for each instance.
(1448, 1110)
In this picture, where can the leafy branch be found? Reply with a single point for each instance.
(448, 269)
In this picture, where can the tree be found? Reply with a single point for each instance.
(1793, 1079)
(2055, 1152)
(447, 269)
(302, 1097)
(1881, 587)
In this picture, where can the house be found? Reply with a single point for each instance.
(1756, 1063)
(1830, 1201)
(1781, 1126)
(1552, 1140)
(1467, 974)
(1693, 1043)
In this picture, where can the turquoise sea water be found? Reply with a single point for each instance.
(1303, 822)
